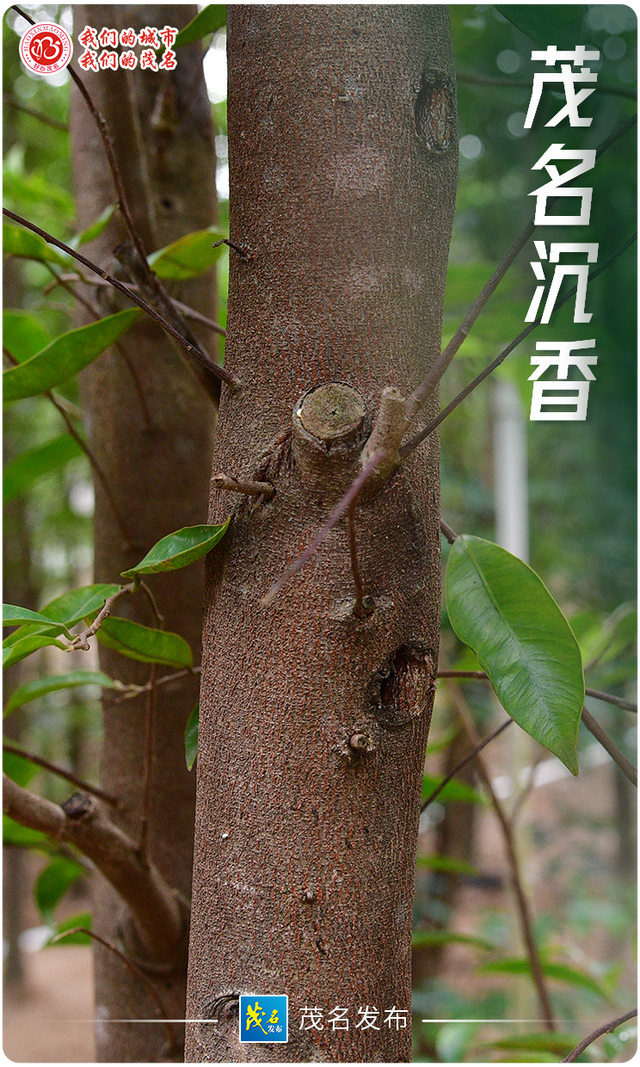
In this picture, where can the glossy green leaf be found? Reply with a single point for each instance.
(453, 790)
(65, 356)
(501, 608)
(559, 24)
(560, 971)
(68, 609)
(178, 549)
(23, 333)
(52, 884)
(83, 918)
(23, 470)
(445, 937)
(23, 836)
(145, 644)
(16, 241)
(14, 616)
(95, 228)
(446, 864)
(188, 256)
(39, 687)
(23, 648)
(191, 737)
(18, 768)
(212, 17)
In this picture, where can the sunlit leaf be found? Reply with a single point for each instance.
(558, 1042)
(145, 644)
(95, 228)
(212, 17)
(560, 971)
(22, 333)
(52, 884)
(453, 790)
(560, 24)
(16, 241)
(191, 737)
(18, 768)
(23, 470)
(24, 647)
(501, 608)
(23, 836)
(14, 616)
(189, 255)
(83, 918)
(446, 864)
(178, 549)
(65, 356)
(39, 687)
(69, 608)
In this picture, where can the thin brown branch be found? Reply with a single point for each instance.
(60, 772)
(219, 372)
(609, 698)
(173, 1043)
(606, 1028)
(448, 531)
(618, 757)
(81, 641)
(428, 384)
(158, 911)
(333, 519)
(467, 759)
(524, 910)
(412, 444)
(130, 692)
(147, 774)
(243, 485)
(244, 252)
(40, 115)
(153, 604)
(523, 83)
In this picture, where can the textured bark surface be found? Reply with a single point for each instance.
(158, 464)
(342, 138)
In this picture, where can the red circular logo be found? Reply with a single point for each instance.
(46, 48)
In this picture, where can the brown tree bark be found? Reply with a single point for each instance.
(151, 425)
(342, 139)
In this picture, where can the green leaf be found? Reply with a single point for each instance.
(65, 356)
(191, 737)
(14, 653)
(18, 768)
(561, 1044)
(39, 687)
(501, 608)
(83, 918)
(144, 644)
(21, 472)
(13, 616)
(53, 882)
(445, 937)
(560, 971)
(446, 864)
(212, 17)
(178, 549)
(453, 790)
(23, 333)
(95, 228)
(68, 609)
(16, 241)
(23, 837)
(560, 24)
(189, 255)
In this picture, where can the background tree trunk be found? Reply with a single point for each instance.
(342, 141)
(156, 454)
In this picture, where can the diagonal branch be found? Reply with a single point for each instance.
(606, 1028)
(61, 772)
(158, 910)
(467, 759)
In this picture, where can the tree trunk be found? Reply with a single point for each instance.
(342, 142)
(151, 426)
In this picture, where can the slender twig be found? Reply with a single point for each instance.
(219, 372)
(617, 756)
(412, 444)
(147, 774)
(610, 698)
(130, 692)
(524, 910)
(334, 518)
(97, 469)
(153, 604)
(81, 640)
(244, 252)
(426, 387)
(606, 1028)
(243, 485)
(471, 755)
(40, 115)
(522, 83)
(61, 772)
(448, 531)
(132, 967)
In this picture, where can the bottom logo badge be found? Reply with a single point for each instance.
(264, 1019)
